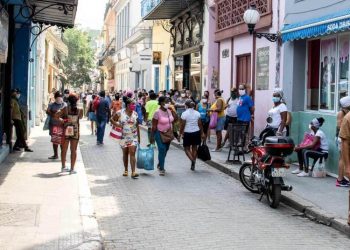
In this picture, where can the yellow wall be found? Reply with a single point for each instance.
(161, 42)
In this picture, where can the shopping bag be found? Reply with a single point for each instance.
(213, 120)
(57, 135)
(319, 170)
(47, 123)
(203, 152)
(116, 133)
(308, 139)
(145, 158)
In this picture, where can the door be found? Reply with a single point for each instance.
(156, 79)
(243, 73)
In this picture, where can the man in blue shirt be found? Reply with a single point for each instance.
(102, 114)
(245, 106)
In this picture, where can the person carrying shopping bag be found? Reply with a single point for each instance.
(162, 130)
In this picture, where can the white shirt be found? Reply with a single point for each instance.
(232, 107)
(324, 143)
(191, 117)
(275, 114)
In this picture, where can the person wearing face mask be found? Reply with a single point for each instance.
(316, 149)
(203, 108)
(127, 119)
(102, 112)
(245, 107)
(343, 140)
(277, 117)
(191, 131)
(55, 111)
(17, 117)
(162, 123)
(180, 108)
(231, 113)
(66, 95)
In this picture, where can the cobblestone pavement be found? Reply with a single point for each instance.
(204, 209)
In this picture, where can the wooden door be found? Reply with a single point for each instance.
(243, 73)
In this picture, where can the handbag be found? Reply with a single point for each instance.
(116, 133)
(167, 136)
(145, 158)
(203, 152)
(57, 135)
(308, 140)
(47, 123)
(213, 120)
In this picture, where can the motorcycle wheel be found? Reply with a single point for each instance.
(246, 175)
(274, 195)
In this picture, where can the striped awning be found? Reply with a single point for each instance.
(316, 27)
(55, 12)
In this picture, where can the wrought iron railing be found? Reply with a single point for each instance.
(148, 5)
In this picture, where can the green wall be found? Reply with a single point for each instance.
(300, 123)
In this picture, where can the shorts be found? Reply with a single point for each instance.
(192, 139)
(229, 120)
(92, 116)
(220, 124)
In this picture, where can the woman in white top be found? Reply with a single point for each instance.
(317, 149)
(277, 117)
(231, 112)
(191, 131)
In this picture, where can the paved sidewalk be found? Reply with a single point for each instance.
(42, 208)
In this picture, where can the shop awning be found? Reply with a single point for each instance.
(316, 27)
(54, 12)
(163, 9)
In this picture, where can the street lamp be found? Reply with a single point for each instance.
(251, 17)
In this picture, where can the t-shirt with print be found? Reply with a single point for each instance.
(245, 103)
(275, 114)
(164, 118)
(191, 117)
(151, 108)
(323, 139)
(345, 128)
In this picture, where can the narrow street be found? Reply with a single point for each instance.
(204, 209)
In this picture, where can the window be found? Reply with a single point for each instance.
(328, 72)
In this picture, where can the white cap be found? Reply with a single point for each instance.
(345, 102)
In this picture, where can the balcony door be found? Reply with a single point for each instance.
(243, 70)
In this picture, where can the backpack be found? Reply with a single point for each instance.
(139, 113)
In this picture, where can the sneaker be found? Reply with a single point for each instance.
(342, 183)
(161, 172)
(297, 171)
(28, 150)
(193, 165)
(64, 169)
(72, 172)
(303, 174)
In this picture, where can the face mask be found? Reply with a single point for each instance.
(18, 96)
(183, 95)
(241, 92)
(59, 100)
(233, 95)
(204, 100)
(166, 105)
(66, 95)
(132, 107)
(310, 126)
(276, 99)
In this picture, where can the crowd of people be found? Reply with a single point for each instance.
(177, 114)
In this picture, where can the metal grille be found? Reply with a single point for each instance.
(230, 12)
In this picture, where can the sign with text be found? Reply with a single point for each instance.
(4, 30)
(262, 68)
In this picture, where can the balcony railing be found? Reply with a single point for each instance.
(148, 5)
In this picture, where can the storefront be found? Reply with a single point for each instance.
(194, 50)
(319, 52)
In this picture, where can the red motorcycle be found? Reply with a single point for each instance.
(264, 174)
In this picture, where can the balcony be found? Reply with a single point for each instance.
(138, 34)
(164, 9)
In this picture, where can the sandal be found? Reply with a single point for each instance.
(125, 173)
(134, 175)
(53, 157)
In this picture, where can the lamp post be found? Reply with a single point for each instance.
(251, 18)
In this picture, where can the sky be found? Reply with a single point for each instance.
(90, 13)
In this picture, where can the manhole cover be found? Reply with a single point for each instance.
(19, 214)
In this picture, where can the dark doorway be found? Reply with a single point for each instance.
(243, 70)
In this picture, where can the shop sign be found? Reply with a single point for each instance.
(157, 57)
(342, 25)
(4, 30)
(262, 69)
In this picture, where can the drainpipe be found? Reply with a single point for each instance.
(278, 50)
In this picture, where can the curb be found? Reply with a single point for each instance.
(91, 232)
(305, 207)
